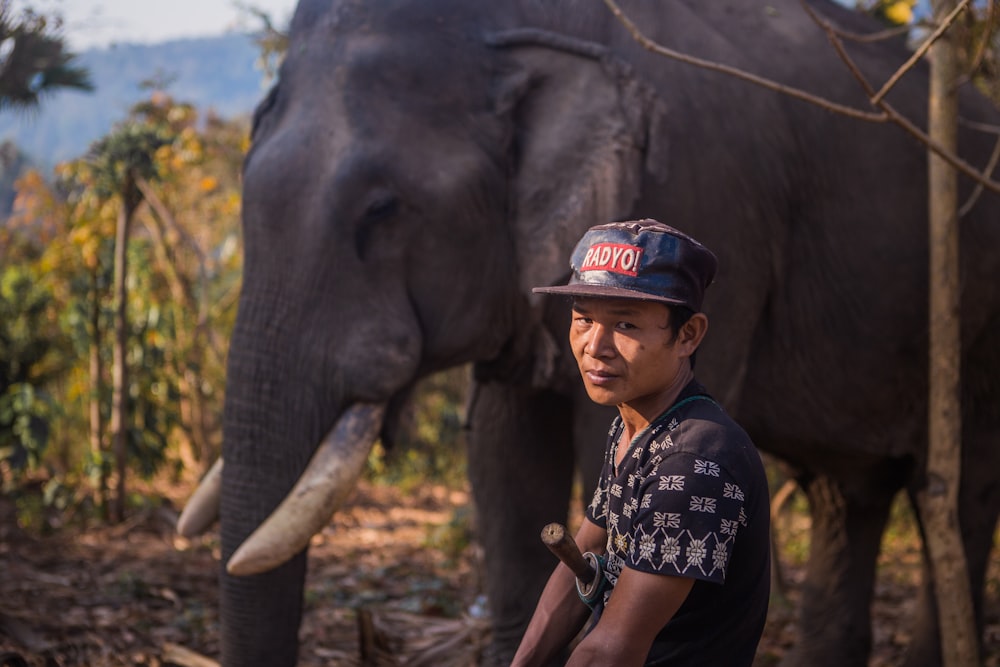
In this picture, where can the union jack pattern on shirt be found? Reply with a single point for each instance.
(672, 507)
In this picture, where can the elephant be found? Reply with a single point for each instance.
(422, 164)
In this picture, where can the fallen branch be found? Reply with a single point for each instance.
(175, 654)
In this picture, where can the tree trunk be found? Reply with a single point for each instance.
(96, 427)
(119, 380)
(939, 499)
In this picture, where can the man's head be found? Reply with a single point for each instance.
(637, 291)
(641, 259)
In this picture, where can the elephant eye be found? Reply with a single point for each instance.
(380, 209)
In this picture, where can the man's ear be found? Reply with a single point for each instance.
(692, 332)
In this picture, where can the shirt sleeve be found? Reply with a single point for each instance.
(689, 512)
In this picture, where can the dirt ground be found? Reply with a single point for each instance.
(391, 578)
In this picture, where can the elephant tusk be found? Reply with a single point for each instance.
(324, 485)
(202, 509)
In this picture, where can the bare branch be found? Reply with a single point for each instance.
(741, 74)
(977, 60)
(982, 127)
(919, 53)
(161, 210)
(887, 114)
(978, 191)
(896, 117)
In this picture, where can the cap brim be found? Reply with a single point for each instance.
(606, 292)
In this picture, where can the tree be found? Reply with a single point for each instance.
(938, 500)
(120, 161)
(33, 60)
(272, 42)
(183, 276)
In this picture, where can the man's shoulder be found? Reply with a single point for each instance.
(704, 429)
(700, 417)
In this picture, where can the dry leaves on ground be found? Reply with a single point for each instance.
(389, 583)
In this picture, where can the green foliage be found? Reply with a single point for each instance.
(154, 394)
(271, 42)
(125, 155)
(431, 443)
(30, 357)
(25, 415)
(36, 60)
(454, 537)
(44, 505)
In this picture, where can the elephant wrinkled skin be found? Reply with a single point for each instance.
(422, 163)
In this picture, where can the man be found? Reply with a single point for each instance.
(680, 517)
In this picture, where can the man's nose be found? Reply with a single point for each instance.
(599, 342)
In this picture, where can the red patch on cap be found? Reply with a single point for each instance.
(614, 257)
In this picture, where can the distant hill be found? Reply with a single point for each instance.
(210, 73)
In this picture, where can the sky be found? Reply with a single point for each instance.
(99, 23)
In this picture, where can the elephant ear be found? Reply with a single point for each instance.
(584, 129)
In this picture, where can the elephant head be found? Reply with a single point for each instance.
(416, 170)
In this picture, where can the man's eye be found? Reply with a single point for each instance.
(626, 325)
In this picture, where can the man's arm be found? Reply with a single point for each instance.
(639, 607)
(560, 614)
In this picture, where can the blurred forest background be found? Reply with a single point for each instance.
(108, 415)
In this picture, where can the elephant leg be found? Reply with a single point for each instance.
(521, 472)
(979, 500)
(835, 617)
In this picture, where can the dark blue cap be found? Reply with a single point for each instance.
(640, 259)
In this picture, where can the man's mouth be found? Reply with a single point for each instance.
(599, 377)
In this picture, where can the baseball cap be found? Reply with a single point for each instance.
(639, 259)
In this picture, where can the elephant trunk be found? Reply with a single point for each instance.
(262, 611)
(277, 410)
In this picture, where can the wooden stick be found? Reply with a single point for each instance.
(175, 654)
(562, 544)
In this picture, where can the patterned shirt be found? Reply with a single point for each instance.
(690, 499)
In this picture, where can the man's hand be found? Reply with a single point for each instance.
(560, 613)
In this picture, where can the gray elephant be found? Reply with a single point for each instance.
(422, 164)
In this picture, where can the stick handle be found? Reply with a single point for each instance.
(562, 544)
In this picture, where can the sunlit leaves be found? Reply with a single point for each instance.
(184, 274)
(898, 12)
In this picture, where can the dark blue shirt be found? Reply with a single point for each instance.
(690, 499)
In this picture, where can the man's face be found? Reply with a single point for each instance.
(626, 352)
